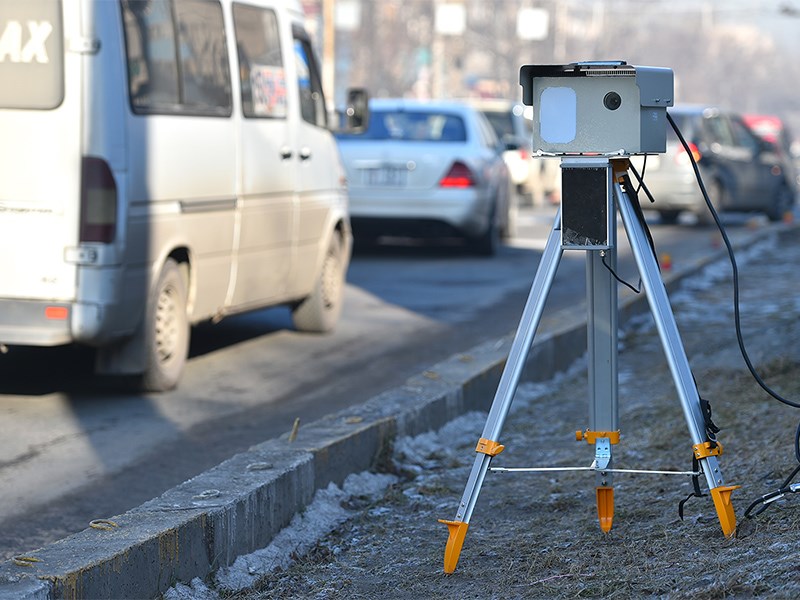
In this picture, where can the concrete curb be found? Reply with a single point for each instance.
(240, 505)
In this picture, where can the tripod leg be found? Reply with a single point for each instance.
(602, 345)
(704, 451)
(488, 446)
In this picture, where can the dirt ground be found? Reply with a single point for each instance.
(537, 535)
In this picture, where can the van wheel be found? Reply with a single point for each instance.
(166, 331)
(320, 311)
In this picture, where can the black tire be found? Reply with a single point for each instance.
(487, 243)
(319, 312)
(782, 202)
(717, 194)
(509, 228)
(166, 331)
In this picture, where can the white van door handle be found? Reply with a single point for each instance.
(286, 153)
(305, 153)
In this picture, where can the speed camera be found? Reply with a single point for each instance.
(607, 108)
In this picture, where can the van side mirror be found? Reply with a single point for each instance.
(356, 115)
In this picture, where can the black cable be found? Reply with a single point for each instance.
(767, 498)
(642, 186)
(641, 179)
(617, 277)
(729, 247)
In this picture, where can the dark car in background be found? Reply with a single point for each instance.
(740, 171)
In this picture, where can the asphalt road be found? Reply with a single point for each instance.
(75, 448)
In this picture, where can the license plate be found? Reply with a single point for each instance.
(385, 176)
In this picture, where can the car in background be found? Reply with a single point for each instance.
(430, 170)
(740, 172)
(773, 130)
(535, 179)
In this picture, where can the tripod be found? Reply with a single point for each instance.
(592, 188)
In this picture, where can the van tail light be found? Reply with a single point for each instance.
(459, 176)
(524, 154)
(682, 158)
(98, 201)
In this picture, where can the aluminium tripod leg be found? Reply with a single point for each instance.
(602, 341)
(704, 450)
(488, 445)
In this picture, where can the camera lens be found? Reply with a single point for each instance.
(612, 101)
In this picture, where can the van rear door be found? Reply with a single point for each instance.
(40, 154)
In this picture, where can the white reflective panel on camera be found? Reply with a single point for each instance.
(558, 115)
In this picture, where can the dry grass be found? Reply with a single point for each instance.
(537, 536)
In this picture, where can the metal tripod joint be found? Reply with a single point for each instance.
(489, 447)
(592, 436)
(706, 449)
(620, 166)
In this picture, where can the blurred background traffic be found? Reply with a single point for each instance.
(734, 63)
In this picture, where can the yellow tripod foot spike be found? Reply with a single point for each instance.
(605, 507)
(457, 530)
(722, 502)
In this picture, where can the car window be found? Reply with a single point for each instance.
(177, 57)
(501, 122)
(488, 135)
(413, 125)
(312, 101)
(743, 136)
(719, 131)
(258, 46)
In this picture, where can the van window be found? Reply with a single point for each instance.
(31, 54)
(177, 57)
(261, 69)
(312, 101)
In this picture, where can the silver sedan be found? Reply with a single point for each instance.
(428, 170)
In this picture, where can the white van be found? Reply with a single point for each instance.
(162, 162)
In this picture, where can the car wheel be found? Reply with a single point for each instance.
(167, 331)
(509, 229)
(487, 243)
(717, 195)
(782, 202)
(320, 311)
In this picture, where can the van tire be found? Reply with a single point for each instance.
(319, 312)
(166, 331)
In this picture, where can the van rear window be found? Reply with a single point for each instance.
(31, 54)
(177, 57)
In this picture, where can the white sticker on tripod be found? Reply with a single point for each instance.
(558, 115)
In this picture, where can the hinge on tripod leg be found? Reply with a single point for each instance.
(489, 447)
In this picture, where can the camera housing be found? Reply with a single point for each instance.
(609, 108)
